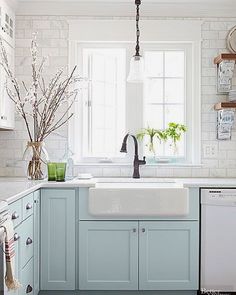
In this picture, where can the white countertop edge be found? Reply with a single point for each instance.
(36, 186)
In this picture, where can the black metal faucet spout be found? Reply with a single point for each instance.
(136, 162)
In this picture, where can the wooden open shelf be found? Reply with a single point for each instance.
(224, 56)
(225, 105)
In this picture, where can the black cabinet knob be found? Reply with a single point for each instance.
(29, 241)
(29, 289)
(15, 215)
(29, 206)
(16, 237)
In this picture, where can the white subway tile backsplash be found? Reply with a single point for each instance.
(52, 32)
(218, 172)
(41, 24)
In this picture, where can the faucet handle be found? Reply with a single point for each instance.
(142, 162)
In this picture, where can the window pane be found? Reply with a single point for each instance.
(154, 63)
(154, 91)
(98, 67)
(154, 116)
(97, 145)
(162, 106)
(98, 114)
(106, 70)
(174, 113)
(110, 117)
(174, 90)
(110, 94)
(174, 64)
(97, 89)
(110, 74)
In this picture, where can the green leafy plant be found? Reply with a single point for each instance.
(151, 133)
(174, 132)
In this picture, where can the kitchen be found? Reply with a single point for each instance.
(146, 213)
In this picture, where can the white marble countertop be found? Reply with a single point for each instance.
(12, 189)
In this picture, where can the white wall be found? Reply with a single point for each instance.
(53, 41)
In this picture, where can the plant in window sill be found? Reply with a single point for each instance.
(174, 132)
(151, 133)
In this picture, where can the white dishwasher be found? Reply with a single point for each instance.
(218, 240)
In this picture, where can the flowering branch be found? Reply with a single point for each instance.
(40, 101)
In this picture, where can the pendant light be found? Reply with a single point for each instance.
(136, 73)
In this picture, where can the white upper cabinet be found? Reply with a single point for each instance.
(7, 34)
(7, 21)
(7, 108)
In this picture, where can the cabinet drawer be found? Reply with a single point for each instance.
(27, 278)
(28, 207)
(16, 212)
(26, 241)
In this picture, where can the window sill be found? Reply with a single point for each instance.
(150, 165)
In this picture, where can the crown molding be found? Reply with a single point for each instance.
(110, 9)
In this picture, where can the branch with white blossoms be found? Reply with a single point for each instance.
(41, 101)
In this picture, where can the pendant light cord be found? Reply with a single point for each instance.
(137, 48)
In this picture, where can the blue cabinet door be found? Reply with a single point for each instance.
(108, 255)
(57, 239)
(169, 255)
(36, 240)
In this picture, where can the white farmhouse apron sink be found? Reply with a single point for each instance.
(138, 199)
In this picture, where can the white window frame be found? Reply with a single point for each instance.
(171, 33)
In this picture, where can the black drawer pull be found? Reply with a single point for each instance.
(29, 289)
(15, 215)
(29, 241)
(29, 206)
(16, 237)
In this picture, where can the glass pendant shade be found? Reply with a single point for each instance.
(136, 73)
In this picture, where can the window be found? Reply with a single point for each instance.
(104, 101)
(110, 106)
(164, 95)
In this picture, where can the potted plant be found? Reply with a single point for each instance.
(151, 134)
(174, 132)
(43, 104)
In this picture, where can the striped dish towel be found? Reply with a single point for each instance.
(10, 281)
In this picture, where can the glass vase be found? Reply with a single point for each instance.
(36, 157)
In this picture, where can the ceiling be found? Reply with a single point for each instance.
(117, 8)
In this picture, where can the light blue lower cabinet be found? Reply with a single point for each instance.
(108, 255)
(168, 255)
(57, 239)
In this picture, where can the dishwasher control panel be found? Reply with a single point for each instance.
(218, 197)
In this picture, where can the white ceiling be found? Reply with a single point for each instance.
(150, 8)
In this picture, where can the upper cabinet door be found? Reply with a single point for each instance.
(108, 255)
(7, 34)
(7, 108)
(7, 23)
(57, 239)
(169, 255)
